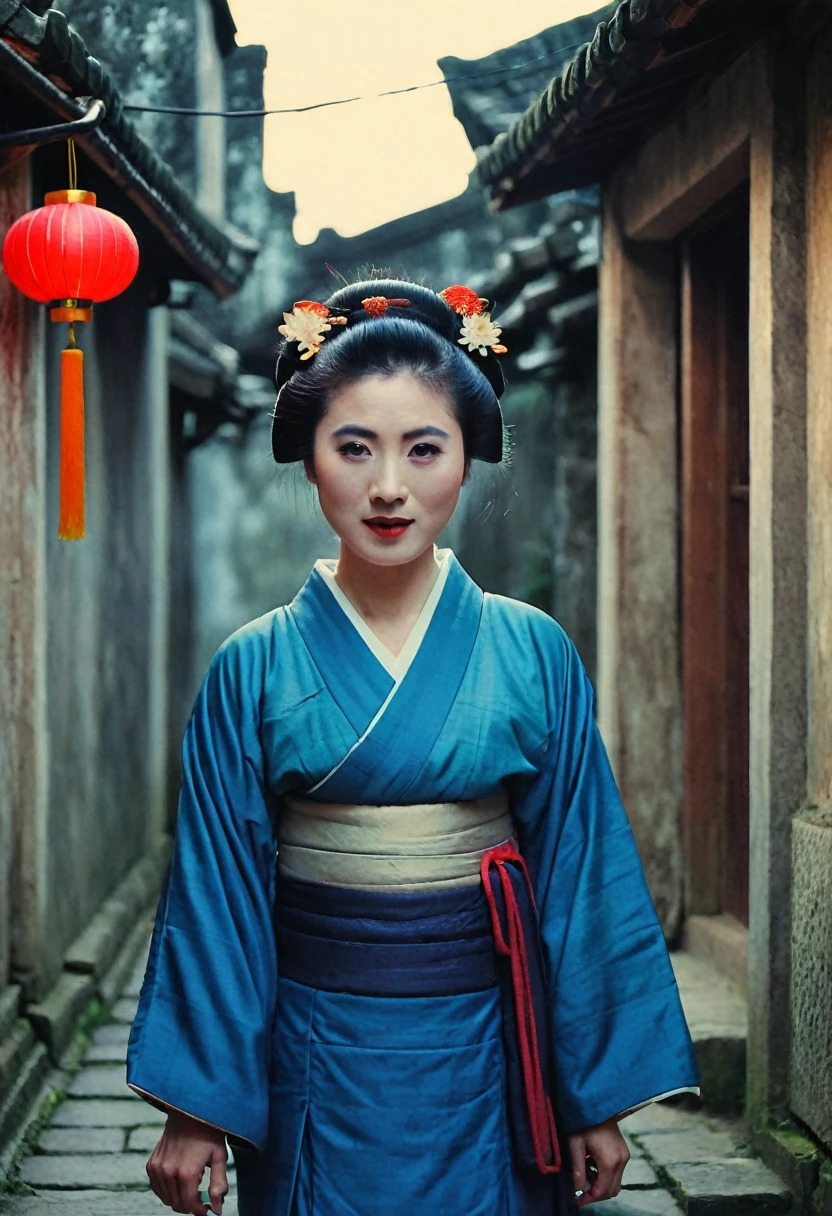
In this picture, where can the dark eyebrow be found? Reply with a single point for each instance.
(426, 430)
(360, 432)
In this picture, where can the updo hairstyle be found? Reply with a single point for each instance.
(421, 339)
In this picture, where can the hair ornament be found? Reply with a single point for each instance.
(478, 331)
(376, 306)
(308, 324)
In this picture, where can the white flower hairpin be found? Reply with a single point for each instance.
(478, 331)
(308, 324)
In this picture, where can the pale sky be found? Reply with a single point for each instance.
(355, 166)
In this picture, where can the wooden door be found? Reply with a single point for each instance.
(714, 576)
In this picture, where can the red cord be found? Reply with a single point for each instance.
(538, 1103)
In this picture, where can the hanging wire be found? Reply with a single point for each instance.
(73, 164)
(343, 101)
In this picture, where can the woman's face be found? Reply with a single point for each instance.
(389, 465)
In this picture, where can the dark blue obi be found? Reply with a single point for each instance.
(436, 943)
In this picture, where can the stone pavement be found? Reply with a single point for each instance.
(90, 1159)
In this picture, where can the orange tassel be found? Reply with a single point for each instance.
(71, 525)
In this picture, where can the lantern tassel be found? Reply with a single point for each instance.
(71, 525)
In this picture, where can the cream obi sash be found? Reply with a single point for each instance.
(390, 848)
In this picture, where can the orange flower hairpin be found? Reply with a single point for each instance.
(478, 331)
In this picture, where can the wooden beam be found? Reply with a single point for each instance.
(694, 161)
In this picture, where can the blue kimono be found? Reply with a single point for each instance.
(363, 1105)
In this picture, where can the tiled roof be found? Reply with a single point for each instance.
(489, 93)
(206, 374)
(47, 58)
(615, 88)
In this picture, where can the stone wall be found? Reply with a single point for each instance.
(22, 590)
(103, 642)
(150, 48)
(811, 979)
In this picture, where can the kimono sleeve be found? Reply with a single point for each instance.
(200, 1040)
(618, 1031)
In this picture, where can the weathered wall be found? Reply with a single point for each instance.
(811, 935)
(638, 626)
(257, 532)
(777, 572)
(22, 611)
(811, 973)
(106, 623)
(150, 48)
(528, 531)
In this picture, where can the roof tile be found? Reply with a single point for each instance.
(613, 88)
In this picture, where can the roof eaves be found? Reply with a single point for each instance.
(49, 59)
(619, 51)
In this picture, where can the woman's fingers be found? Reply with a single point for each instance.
(178, 1163)
(185, 1190)
(608, 1150)
(218, 1187)
(577, 1151)
(158, 1181)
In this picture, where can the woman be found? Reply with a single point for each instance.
(450, 984)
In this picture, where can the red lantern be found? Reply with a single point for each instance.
(71, 254)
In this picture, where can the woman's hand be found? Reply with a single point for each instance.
(608, 1150)
(179, 1160)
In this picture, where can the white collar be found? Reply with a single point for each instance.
(396, 665)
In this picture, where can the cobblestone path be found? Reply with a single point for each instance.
(90, 1160)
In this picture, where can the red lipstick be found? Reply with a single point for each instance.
(388, 528)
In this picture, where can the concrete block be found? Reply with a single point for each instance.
(794, 1158)
(105, 1055)
(101, 1081)
(82, 1140)
(95, 950)
(657, 1117)
(125, 1010)
(93, 1171)
(633, 1145)
(722, 1068)
(823, 1195)
(113, 1034)
(133, 986)
(14, 1048)
(55, 1019)
(93, 1203)
(119, 975)
(712, 1003)
(9, 1009)
(106, 1112)
(742, 1187)
(717, 1015)
(635, 1203)
(811, 972)
(695, 1144)
(722, 941)
(143, 1139)
(639, 1173)
(17, 1103)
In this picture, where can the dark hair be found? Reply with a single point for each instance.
(421, 339)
